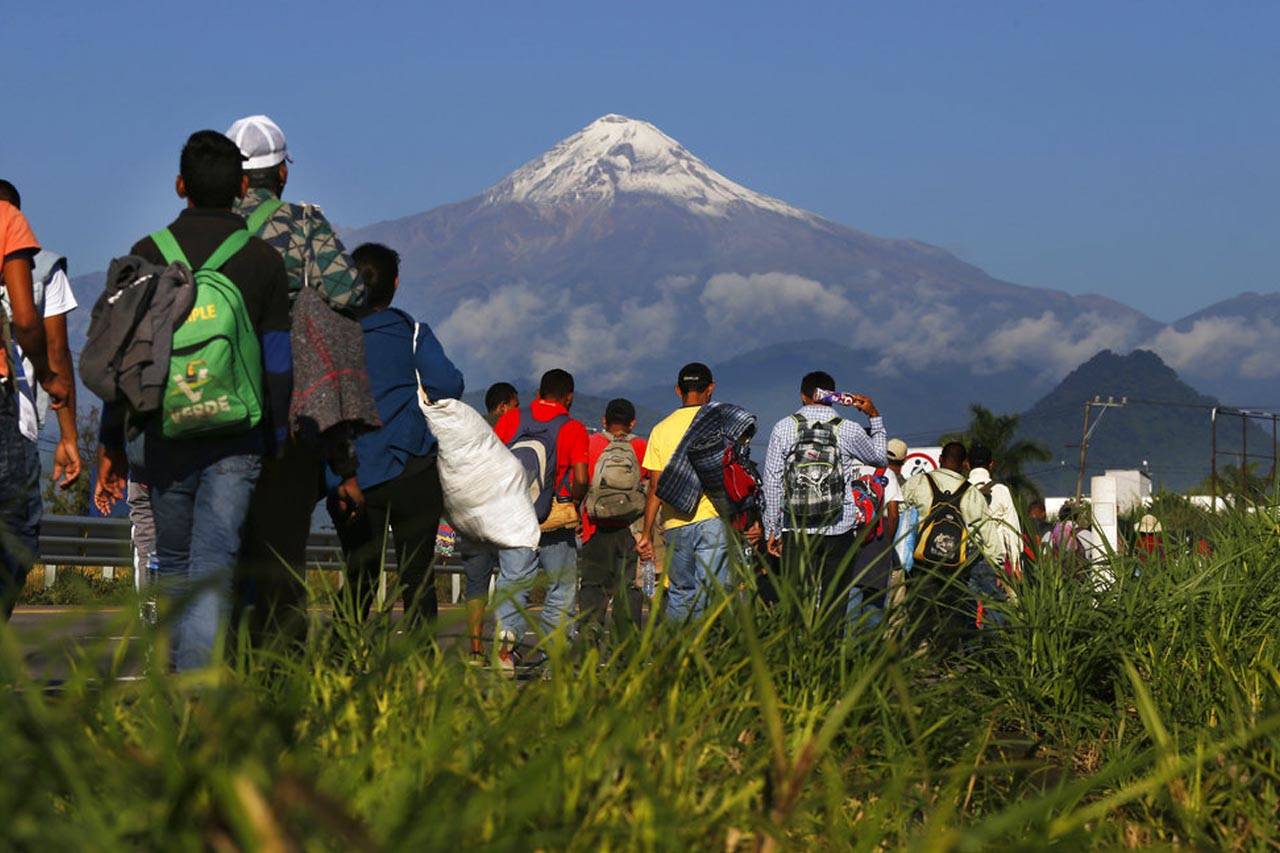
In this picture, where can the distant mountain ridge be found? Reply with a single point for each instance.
(1172, 441)
(619, 255)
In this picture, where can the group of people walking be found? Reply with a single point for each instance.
(251, 368)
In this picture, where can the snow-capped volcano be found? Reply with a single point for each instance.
(619, 255)
(615, 155)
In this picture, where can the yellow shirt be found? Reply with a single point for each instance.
(664, 438)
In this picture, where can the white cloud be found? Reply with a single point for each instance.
(1053, 345)
(1218, 346)
(773, 306)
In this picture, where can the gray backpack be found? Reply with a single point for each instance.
(813, 480)
(130, 340)
(617, 484)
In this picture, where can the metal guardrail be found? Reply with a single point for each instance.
(73, 540)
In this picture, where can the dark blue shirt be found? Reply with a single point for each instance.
(394, 371)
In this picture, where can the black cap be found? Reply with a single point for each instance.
(694, 376)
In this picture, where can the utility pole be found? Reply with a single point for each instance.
(1098, 403)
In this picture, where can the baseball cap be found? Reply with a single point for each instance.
(260, 140)
(694, 376)
(896, 450)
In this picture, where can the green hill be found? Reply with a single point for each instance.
(1165, 425)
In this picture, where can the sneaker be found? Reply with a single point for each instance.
(509, 659)
(478, 659)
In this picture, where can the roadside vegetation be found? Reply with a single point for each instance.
(1146, 714)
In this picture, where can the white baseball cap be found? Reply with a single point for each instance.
(260, 140)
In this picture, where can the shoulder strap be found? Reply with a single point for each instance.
(801, 423)
(263, 212)
(933, 487)
(835, 422)
(169, 247)
(229, 247)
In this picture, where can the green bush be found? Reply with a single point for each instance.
(1144, 714)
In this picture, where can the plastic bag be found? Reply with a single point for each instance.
(486, 489)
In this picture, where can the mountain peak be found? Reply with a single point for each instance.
(617, 155)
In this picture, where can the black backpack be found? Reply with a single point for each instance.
(944, 537)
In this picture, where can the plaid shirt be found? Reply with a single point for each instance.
(857, 447)
(313, 254)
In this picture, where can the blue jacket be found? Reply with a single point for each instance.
(391, 360)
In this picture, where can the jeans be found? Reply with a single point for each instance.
(477, 566)
(865, 609)
(408, 506)
(199, 517)
(517, 568)
(698, 562)
(20, 504)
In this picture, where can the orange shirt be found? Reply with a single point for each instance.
(15, 232)
(15, 236)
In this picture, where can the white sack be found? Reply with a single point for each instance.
(486, 489)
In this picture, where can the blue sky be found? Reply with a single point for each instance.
(1127, 148)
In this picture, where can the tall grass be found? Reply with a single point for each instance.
(1148, 713)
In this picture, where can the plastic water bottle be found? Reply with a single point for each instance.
(648, 577)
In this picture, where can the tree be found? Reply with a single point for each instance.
(999, 433)
(75, 500)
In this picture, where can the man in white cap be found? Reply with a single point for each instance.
(292, 480)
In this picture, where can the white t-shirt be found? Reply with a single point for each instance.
(892, 491)
(54, 300)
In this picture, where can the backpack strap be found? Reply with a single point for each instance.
(261, 214)
(169, 248)
(227, 249)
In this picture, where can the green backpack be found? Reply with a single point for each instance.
(215, 368)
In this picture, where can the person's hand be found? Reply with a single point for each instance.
(66, 462)
(112, 483)
(348, 499)
(58, 387)
(863, 404)
(775, 545)
(754, 534)
(644, 546)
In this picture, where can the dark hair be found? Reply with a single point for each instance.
(818, 379)
(980, 456)
(556, 385)
(619, 412)
(9, 193)
(211, 167)
(1038, 502)
(266, 179)
(379, 268)
(693, 377)
(499, 393)
(953, 453)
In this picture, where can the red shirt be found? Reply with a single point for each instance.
(571, 444)
(595, 446)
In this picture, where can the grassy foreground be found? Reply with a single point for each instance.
(1145, 715)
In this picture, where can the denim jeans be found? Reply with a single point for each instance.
(698, 563)
(517, 568)
(199, 519)
(861, 613)
(20, 504)
(478, 560)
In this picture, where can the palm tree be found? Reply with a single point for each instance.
(999, 433)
